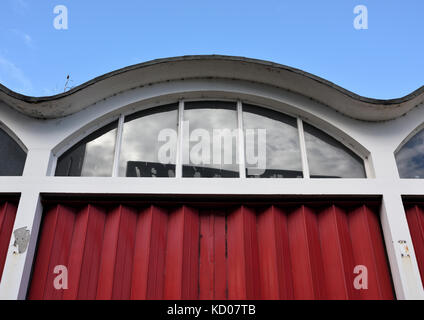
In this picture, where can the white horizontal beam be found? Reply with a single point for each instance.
(95, 185)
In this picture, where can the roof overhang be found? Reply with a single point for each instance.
(215, 67)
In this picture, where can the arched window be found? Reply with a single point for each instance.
(282, 147)
(201, 139)
(328, 158)
(410, 158)
(12, 156)
(91, 157)
(144, 148)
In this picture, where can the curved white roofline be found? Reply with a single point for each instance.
(212, 67)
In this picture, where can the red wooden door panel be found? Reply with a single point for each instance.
(7, 219)
(210, 252)
(415, 216)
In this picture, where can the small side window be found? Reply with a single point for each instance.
(12, 157)
(410, 158)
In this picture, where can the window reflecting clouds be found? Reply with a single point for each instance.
(92, 157)
(12, 157)
(282, 158)
(410, 158)
(209, 146)
(210, 140)
(149, 143)
(328, 158)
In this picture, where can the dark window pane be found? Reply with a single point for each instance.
(91, 157)
(328, 158)
(271, 144)
(12, 157)
(149, 143)
(410, 158)
(210, 140)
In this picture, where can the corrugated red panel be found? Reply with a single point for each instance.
(211, 252)
(415, 216)
(7, 219)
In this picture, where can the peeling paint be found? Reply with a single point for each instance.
(22, 237)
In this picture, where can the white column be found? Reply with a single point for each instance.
(20, 255)
(17, 269)
(400, 250)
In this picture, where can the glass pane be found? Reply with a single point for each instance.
(210, 140)
(272, 144)
(410, 159)
(328, 158)
(92, 157)
(12, 157)
(149, 143)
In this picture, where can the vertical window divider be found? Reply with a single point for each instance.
(118, 143)
(179, 151)
(303, 153)
(241, 149)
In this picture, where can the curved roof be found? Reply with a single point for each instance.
(218, 67)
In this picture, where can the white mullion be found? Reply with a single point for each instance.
(242, 159)
(118, 144)
(303, 153)
(179, 153)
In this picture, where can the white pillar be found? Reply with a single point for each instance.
(17, 269)
(20, 255)
(400, 250)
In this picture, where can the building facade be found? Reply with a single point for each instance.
(104, 185)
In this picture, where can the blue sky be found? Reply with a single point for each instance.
(385, 61)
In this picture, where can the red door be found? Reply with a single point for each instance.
(211, 251)
(415, 216)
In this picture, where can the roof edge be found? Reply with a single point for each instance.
(29, 105)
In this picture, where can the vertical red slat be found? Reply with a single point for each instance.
(213, 277)
(7, 219)
(108, 254)
(59, 254)
(220, 245)
(182, 255)
(369, 251)
(305, 253)
(85, 254)
(274, 255)
(99, 215)
(337, 254)
(243, 264)
(76, 254)
(125, 254)
(149, 254)
(415, 216)
(207, 256)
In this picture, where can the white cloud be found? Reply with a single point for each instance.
(26, 38)
(14, 78)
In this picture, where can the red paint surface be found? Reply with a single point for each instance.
(415, 216)
(211, 252)
(7, 219)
